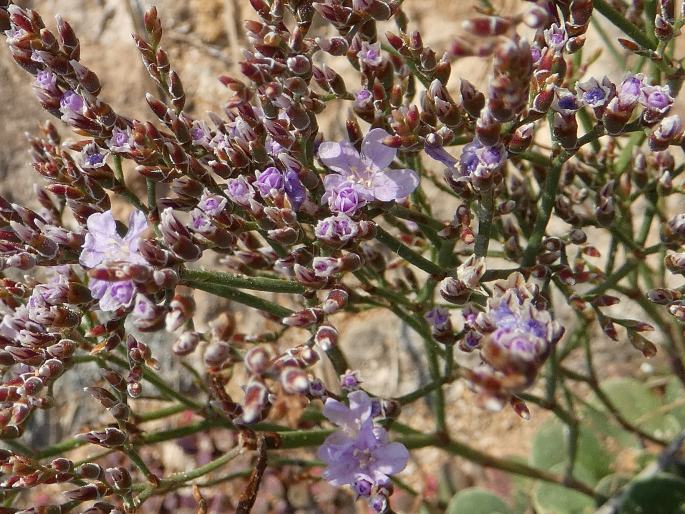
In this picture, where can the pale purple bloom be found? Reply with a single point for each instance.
(336, 229)
(325, 266)
(555, 37)
(200, 133)
(92, 156)
(358, 448)
(269, 181)
(294, 189)
(370, 54)
(657, 101)
(565, 102)
(630, 91)
(478, 160)
(437, 152)
(103, 246)
(121, 140)
(595, 94)
(350, 381)
(47, 81)
(438, 318)
(200, 222)
(345, 199)
(363, 99)
(240, 191)
(71, 102)
(211, 204)
(535, 53)
(367, 172)
(143, 308)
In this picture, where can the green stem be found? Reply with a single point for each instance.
(273, 285)
(240, 297)
(615, 17)
(485, 215)
(408, 254)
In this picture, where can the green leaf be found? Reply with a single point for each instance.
(557, 499)
(661, 494)
(675, 398)
(611, 484)
(477, 501)
(550, 450)
(639, 405)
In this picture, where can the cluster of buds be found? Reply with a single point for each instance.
(514, 337)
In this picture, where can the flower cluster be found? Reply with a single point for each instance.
(359, 453)
(514, 337)
(259, 206)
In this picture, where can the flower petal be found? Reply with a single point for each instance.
(340, 157)
(338, 413)
(390, 458)
(406, 181)
(374, 149)
(102, 223)
(384, 188)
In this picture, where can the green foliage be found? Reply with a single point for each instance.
(661, 494)
(477, 501)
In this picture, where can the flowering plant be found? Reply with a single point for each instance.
(510, 280)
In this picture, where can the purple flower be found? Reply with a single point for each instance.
(630, 91)
(515, 339)
(200, 222)
(92, 156)
(294, 189)
(211, 204)
(338, 229)
(478, 162)
(366, 172)
(363, 99)
(121, 140)
(556, 38)
(565, 102)
(657, 101)
(71, 102)
(200, 133)
(438, 153)
(438, 318)
(370, 54)
(240, 191)
(595, 94)
(325, 266)
(269, 181)
(47, 81)
(358, 448)
(103, 246)
(345, 199)
(350, 381)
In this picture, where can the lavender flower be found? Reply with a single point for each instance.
(358, 448)
(657, 101)
(294, 189)
(338, 229)
(595, 94)
(565, 102)
(104, 246)
(269, 181)
(370, 54)
(556, 38)
(515, 339)
(200, 134)
(367, 172)
(240, 191)
(211, 204)
(92, 156)
(345, 199)
(71, 102)
(121, 140)
(47, 81)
